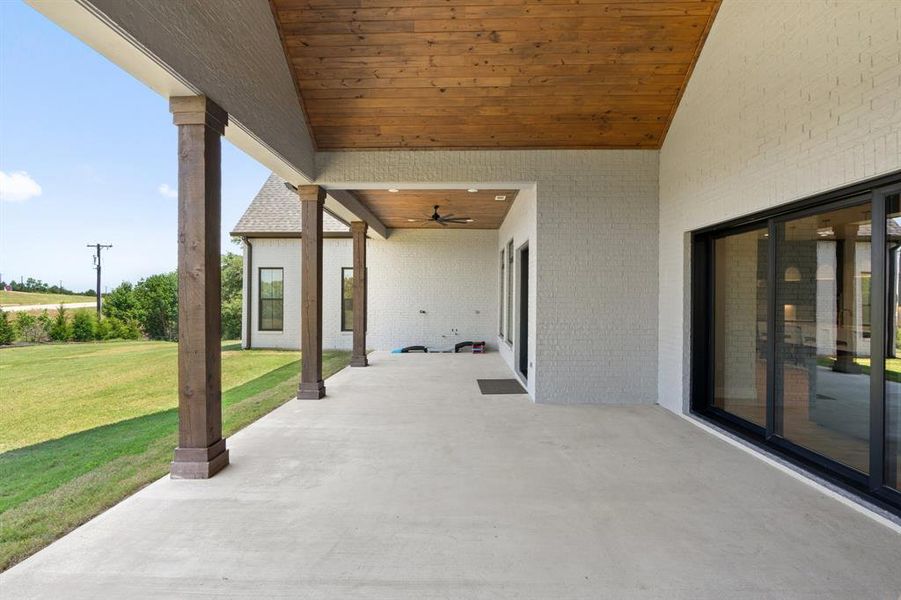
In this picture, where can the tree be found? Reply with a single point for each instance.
(232, 286)
(7, 333)
(232, 276)
(60, 330)
(84, 326)
(120, 303)
(231, 319)
(156, 299)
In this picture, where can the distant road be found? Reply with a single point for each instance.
(30, 307)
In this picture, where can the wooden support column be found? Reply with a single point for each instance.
(358, 229)
(201, 449)
(312, 199)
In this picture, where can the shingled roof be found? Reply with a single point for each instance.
(276, 210)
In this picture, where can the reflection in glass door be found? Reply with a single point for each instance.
(739, 324)
(822, 332)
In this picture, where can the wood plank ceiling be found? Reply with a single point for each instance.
(379, 74)
(396, 209)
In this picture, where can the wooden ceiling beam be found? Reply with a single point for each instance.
(615, 12)
(364, 4)
(422, 46)
(501, 96)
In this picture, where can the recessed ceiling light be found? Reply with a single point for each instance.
(472, 190)
(470, 220)
(500, 198)
(411, 220)
(393, 190)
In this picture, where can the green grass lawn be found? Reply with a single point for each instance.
(892, 366)
(84, 425)
(20, 298)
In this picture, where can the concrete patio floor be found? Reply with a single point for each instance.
(405, 482)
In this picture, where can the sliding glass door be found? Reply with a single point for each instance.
(823, 333)
(797, 333)
(892, 425)
(740, 317)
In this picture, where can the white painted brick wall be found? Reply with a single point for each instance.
(787, 99)
(450, 274)
(284, 253)
(594, 252)
(520, 227)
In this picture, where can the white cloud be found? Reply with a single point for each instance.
(17, 186)
(166, 191)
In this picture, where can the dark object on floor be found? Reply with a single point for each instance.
(414, 349)
(500, 386)
(477, 347)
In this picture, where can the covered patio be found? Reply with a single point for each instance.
(407, 482)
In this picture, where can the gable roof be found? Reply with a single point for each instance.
(276, 210)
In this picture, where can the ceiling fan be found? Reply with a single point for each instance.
(442, 220)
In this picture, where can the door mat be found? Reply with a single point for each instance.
(500, 386)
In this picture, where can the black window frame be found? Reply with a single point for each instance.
(509, 314)
(260, 298)
(345, 327)
(869, 486)
(502, 315)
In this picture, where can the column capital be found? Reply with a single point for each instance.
(311, 193)
(198, 110)
(359, 227)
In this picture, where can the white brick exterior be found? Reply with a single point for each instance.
(787, 99)
(451, 275)
(595, 326)
(520, 228)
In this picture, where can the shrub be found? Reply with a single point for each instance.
(103, 329)
(231, 319)
(7, 333)
(120, 303)
(131, 330)
(22, 322)
(84, 326)
(35, 332)
(116, 329)
(60, 331)
(45, 321)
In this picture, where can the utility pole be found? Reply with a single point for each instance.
(98, 248)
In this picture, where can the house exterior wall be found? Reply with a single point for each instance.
(519, 227)
(451, 275)
(787, 99)
(272, 252)
(595, 253)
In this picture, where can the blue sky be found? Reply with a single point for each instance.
(100, 145)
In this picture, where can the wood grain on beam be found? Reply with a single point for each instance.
(312, 199)
(360, 290)
(201, 451)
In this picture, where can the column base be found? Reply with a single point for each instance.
(199, 463)
(359, 361)
(311, 391)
